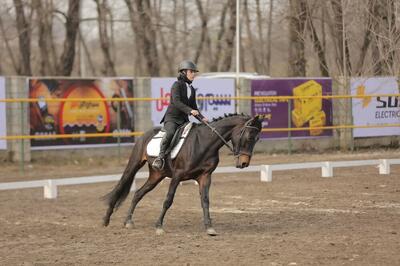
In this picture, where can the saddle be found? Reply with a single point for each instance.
(153, 148)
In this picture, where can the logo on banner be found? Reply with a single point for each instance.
(361, 92)
(161, 103)
(204, 105)
(213, 104)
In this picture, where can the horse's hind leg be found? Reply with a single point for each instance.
(153, 180)
(167, 203)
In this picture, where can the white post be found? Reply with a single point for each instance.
(384, 167)
(327, 169)
(50, 190)
(266, 173)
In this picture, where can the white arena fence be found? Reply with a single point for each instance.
(51, 185)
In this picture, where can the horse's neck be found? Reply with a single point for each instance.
(225, 128)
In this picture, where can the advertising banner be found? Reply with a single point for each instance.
(161, 87)
(311, 112)
(375, 110)
(3, 124)
(77, 117)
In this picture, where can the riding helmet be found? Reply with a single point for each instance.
(187, 64)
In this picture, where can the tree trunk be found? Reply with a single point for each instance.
(67, 58)
(297, 61)
(367, 38)
(43, 30)
(230, 37)
(147, 37)
(87, 53)
(341, 39)
(8, 47)
(217, 56)
(204, 20)
(108, 67)
(269, 37)
(24, 38)
(323, 66)
(251, 44)
(137, 48)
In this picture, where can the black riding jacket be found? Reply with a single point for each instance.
(180, 105)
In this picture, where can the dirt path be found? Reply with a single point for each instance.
(298, 219)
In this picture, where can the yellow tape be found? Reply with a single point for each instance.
(256, 98)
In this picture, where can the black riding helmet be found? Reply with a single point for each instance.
(187, 64)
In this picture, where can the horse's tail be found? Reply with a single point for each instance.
(117, 196)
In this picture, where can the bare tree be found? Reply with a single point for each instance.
(67, 58)
(108, 67)
(24, 37)
(385, 37)
(251, 43)
(230, 36)
(340, 37)
(203, 36)
(217, 56)
(269, 39)
(319, 49)
(147, 37)
(297, 60)
(8, 47)
(44, 38)
(137, 47)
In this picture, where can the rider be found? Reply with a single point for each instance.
(182, 104)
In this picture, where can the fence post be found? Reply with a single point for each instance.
(266, 173)
(50, 189)
(384, 167)
(327, 169)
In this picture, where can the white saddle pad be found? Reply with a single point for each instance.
(153, 148)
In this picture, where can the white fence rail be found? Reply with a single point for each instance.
(327, 167)
(51, 185)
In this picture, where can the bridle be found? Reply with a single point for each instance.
(236, 152)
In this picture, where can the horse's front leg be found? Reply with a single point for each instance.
(167, 203)
(204, 188)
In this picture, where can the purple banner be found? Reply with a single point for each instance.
(311, 112)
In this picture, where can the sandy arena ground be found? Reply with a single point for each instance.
(298, 219)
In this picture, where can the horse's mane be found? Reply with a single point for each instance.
(216, 119)
(229, 115)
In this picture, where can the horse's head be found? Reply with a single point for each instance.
(244, 137)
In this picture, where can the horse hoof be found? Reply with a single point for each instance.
(160, 231)
(106, 222)
(129, 225)
(211, 232)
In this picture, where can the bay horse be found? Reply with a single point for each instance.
(197, 159)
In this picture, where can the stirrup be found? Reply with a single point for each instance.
(158, 163)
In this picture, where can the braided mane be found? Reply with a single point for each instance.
(229, 115)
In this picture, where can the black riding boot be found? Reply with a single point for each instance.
(159, 162)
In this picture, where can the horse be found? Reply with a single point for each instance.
(197, 159)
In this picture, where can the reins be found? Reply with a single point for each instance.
(235, 153)
(217, 133)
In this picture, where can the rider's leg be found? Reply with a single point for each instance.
(170, 128)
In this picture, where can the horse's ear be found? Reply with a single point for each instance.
(259, 118)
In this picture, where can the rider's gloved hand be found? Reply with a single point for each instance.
(194, 113)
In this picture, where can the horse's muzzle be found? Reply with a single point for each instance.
(242, 161)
